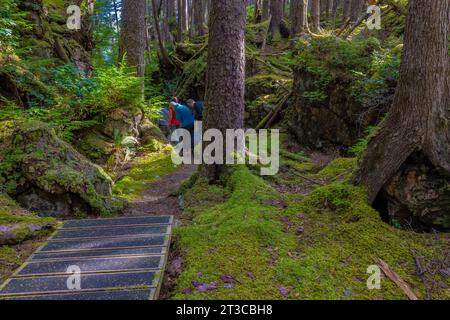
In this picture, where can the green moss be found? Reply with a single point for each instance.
(146, 170)
(342, 237)
(232, 238)
(8, 254)
(95, 146)
(37, 155)
(339, 169)
(320, 247)
(19, 224)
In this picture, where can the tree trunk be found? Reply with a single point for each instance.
(198, 16)
(257, 11)
(265, 9)
(171, 17)
(276, 10)
(224, 101)
(162, 48)
(315, 12)
(182, 18)
(356, 10)
(299, 17)
(419, 118)
(132, 37)
(328, 6)
(346, 11)
(334, 12)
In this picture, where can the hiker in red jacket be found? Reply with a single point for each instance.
(173, 122)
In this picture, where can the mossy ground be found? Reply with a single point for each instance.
(12, 257)
(319, 247)
(145, 171)
(12, 216)
(21, 223)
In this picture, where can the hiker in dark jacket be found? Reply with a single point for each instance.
(196, 109)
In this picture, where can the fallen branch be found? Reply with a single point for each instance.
(293, 156)
(343, 27)
(396, 279)
(277, 111)
(360, 21)
(271, 116)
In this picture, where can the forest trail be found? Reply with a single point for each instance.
(129, 252)
(160, 197)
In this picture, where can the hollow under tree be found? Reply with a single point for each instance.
(419, 120)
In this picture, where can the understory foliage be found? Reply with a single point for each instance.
(70, 101)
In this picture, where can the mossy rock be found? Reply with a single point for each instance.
(125, 121)
(151, 136)
(18, 224)
(95, 146)
(42, 170)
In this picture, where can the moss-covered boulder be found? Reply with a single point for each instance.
(151, 136)
(340, 88)
(47, 175)
(18, 224)
(95, 145)
(124, 121)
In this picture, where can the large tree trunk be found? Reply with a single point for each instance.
(132, 37)
(299, 17)
(315, 12)
(199, 17)
(276, 10)
(419, 120)
(224, 101)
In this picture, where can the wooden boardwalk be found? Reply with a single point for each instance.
(117, 259)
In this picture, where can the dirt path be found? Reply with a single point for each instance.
(161, 198)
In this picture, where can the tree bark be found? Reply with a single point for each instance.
(132, 37)
(224, 101)
(265, 9)
(356, 10)
(328, 5)
(346, 11)
(257, 11)
(299, 17)
(162, 48)
(334, 12)
(419, 120)
(198, 16)
(315, 12)
(182, 18)
(276, 10)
